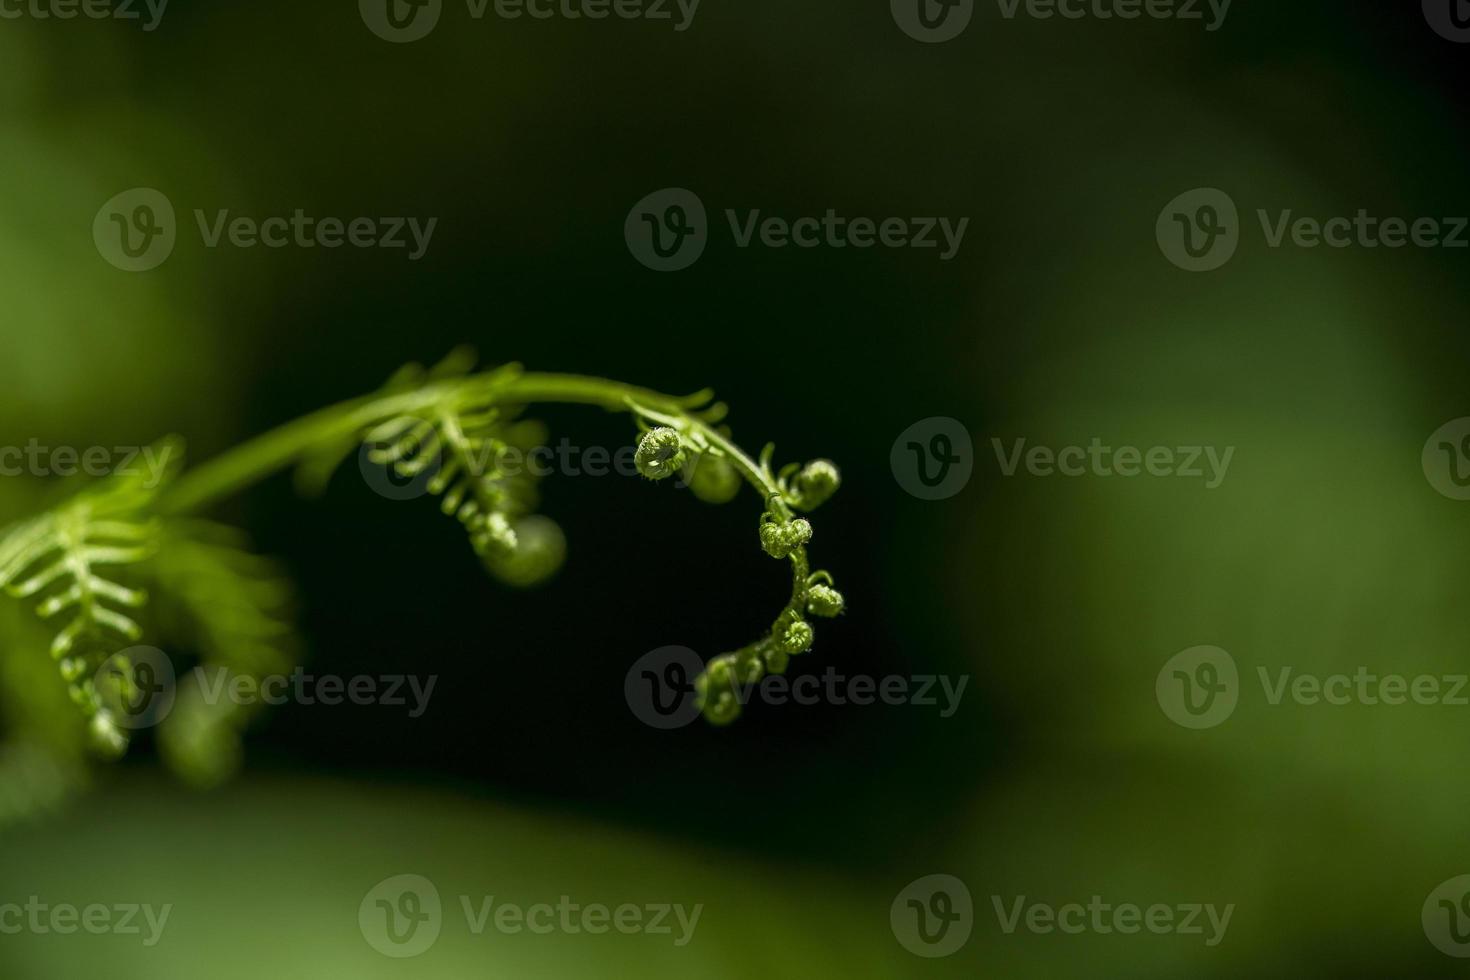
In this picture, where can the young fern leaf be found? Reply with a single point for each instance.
(71, 562)
(453, 444)
(452, 453)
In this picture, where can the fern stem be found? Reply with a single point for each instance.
(266, 455)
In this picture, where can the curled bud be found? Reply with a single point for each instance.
(814, 485)
(538, 553)
(660, 453)
(825, 601)
(797, 637)
(712, 478)
(493, 538)
(717, 690)
(106, 737)
(780, 540)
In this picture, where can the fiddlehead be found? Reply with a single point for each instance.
(455, 431)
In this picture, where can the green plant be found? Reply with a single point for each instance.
(120, 560)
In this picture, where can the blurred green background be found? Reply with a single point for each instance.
(1060, 778)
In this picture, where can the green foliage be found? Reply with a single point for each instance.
(72, 562)
(234, 609)
(85, 563)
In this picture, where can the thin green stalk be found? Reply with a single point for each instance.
(266, 455)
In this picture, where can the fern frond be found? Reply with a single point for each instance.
(72, 562)
(459, 451)
(453, 441)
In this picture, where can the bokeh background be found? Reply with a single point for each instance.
(1060, 778)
